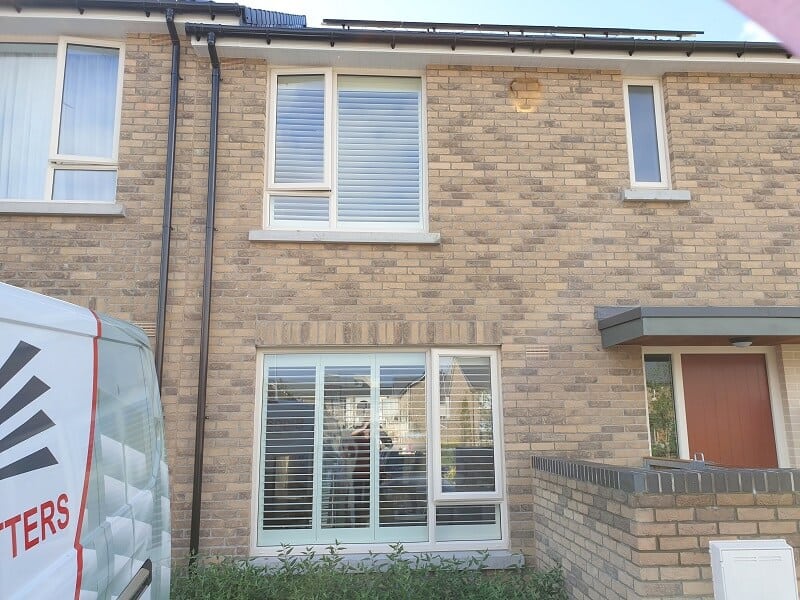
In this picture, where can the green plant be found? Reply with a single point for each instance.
(309, 575)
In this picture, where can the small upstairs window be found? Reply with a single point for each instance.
(345, 152)
(644, 117)
(59, 121)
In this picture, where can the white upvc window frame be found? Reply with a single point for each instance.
(328, 187)
(775, 397)
(433, 544)
(440, 497)
(661, 134)
(66, 162)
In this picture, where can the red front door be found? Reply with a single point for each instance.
(728, 411)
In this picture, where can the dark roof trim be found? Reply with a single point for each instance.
(513, 42)
(148, 6)
(522, 29)
(624, 325)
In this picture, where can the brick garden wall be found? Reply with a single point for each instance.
(632, 533)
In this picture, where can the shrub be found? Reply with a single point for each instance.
(328, 577)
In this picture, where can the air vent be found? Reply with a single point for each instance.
(537, 352)
(148, 328)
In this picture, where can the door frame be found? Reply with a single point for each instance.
(773, 379)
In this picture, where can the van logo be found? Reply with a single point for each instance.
(38, 423)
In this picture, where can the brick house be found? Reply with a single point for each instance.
(396, 262)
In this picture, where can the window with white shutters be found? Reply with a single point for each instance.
(346, 152)
(349, 450)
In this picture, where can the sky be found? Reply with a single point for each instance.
(716, 18)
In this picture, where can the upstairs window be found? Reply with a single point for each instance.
(59, 121)
(346, 152)
(644, 116)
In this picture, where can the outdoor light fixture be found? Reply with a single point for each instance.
(741, 342)
(525, 94)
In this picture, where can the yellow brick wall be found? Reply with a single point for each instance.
(534, 236)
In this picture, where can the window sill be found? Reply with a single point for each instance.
(345, 237)
(654, 195)
(74, 209)
(491, 559)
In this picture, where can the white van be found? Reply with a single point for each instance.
(84, 502)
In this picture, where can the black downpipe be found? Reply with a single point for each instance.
(166, 228)
(200, 430)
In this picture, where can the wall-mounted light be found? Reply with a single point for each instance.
(526, 94)
(741, 342)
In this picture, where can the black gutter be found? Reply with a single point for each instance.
(169, 177)
(148, 6)
(200, 429)
(513, 42)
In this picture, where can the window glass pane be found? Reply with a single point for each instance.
(467, 437)
(403, 453)
(289, 394)
(661, 406)
(27, 83)
(644, 133)
(89, 186)
(378, 149)
(300, 129)
(299, 208)
(467, 522)
(89, 102)
(347, 451)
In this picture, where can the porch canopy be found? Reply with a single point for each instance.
(697, 325)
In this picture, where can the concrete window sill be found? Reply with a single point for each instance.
(651, 195)
(64, 209)
(345, 237)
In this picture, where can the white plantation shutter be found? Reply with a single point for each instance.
(403, 477)
(345, 453)
(299, 209)
(289, 427)
(300, 129)
(379, 150)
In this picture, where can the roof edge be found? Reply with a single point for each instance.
(517, 42)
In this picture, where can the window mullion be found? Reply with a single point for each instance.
(375, 448)
(319, 398)
(434, 460)
(332, 145)
(55, 123)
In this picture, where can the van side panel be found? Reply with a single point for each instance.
(126, 522)
(46, 396)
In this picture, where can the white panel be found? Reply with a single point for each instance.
(753, 570)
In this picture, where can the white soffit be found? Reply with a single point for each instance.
(94, 23)
(381, 55)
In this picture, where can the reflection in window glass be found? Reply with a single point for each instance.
(661, 406)
(346, 447)
(644, 133)
(403, 456)
(289, 447)
(467, 451)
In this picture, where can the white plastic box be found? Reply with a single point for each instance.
(753, 570)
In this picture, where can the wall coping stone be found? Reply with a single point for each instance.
(704, 479)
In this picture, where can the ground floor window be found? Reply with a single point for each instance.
(377, 448)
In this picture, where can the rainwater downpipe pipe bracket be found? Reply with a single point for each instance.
(169, 180)
(202, 380)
